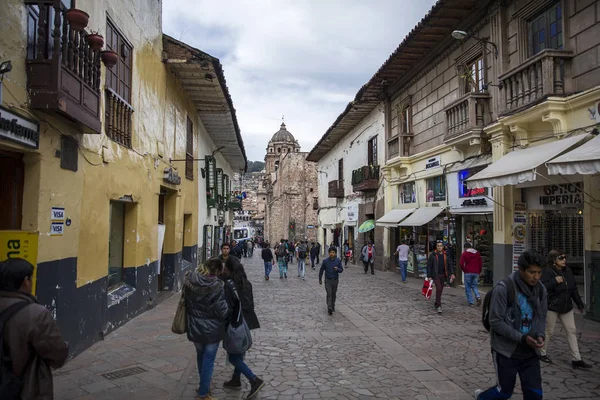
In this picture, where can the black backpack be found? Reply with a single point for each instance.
(281, 250)
(10, 384)
(302, 251)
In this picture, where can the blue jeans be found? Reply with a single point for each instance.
(237, 360)
(301, 265)
(403, 268)
(206, 354)
(282, 267)
(268, 268)
(471, 283)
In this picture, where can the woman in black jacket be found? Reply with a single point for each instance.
(562, 292)
(207, 312)
(236, 281)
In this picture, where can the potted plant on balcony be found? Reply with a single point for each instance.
(78, 19)
(109, 58)
(95, 40)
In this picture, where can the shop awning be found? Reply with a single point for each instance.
(583, 160)
(392, 218)
(422, 216)
(520, 165)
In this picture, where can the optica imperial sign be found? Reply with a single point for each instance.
(19, 129)
(570, 193)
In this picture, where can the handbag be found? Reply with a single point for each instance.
(238, 338)
(180, 321)
(427, 288)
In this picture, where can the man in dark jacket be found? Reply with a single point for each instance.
(314, 254)
(207, 313)
(559, 281)
(268, 257)
(439, 268)
(517, 331)
(31, 336)
(332, 267)
(471, 265)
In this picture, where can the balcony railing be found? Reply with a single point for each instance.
(541, 76)
(63, 73)
(118, 118)
(470, 113)
(393, 147)
(336, 189)
(365, 178)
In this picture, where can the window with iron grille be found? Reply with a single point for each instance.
(189, 150)
(118, 88)
(545, 30)
(69, 152)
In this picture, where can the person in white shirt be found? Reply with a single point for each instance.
(402, 253)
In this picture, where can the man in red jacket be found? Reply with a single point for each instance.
(471, 264)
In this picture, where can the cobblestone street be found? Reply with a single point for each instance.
(384, 341)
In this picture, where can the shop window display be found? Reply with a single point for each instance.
(436, 189)
(479, 234)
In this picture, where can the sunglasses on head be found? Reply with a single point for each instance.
(561, 258)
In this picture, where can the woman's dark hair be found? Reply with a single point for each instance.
(529, 258)
(552, 256)
(238, 275)
(13, 272)
(213, 265)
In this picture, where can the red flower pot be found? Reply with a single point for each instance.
(77, 19)
(109, 58)
(95, 41)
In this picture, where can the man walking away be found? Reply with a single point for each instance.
(267, 256)
(32, 343)
(282, 259)
(250, 248)
(439, 268)
(368, 257)
(292, 250)
(314, 254)
(471, 265)
(402, 253)
(301, 254)
(332, 267)
(517, 330)
(318, 252)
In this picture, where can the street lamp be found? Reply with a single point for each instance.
(462, 35)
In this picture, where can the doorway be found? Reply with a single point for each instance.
(161, 233)
(12, 177)
(116, 243)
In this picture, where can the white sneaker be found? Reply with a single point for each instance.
(478, 392)
(439, 310)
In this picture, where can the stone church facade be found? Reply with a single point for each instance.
(290, 185)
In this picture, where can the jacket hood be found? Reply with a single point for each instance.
(201, 282)
(471, 250)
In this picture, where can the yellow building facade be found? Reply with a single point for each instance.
(104, 164)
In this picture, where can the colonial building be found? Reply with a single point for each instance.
(289, 189)
(348, 162)
(99, 170)
(484, 102)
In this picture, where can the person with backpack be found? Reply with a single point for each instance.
(267, 256)
(282, 252)
(439, 268)
(291, 252)
(471, 264)
(301, 254)
(314, 255)
(514, 312)
(207, 312)
(30, 341)
(559, 281)
(238, 292)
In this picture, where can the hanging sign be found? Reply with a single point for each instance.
(352, 212)
(18, 129)
(519, 232)
(433, 162)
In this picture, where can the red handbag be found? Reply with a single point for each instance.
(427, 288)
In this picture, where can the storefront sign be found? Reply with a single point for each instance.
(58, 214)
(18, 129)
(519, 232)
(464, 191)
(20, 244)
(352, 212)
(433, 162)
(57, 229)
(474, 203)
(570, 193)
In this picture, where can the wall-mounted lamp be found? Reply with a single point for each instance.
(5, 67)
(462, 35)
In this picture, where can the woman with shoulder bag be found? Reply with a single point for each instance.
(562, 292)
(238, 291)
(207, 311)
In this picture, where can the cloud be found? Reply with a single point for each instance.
(303, 59)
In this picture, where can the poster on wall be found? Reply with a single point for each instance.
(352, 212)
(519, 232)
(20, 244)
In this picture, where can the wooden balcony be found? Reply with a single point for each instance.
(466, 117)
(336, 189)
(365, 179)
(63, 73)
(533, 81)
(393, 147)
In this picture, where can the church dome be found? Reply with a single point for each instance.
(283, 135)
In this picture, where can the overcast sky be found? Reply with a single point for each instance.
(302, 59)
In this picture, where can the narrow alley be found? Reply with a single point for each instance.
(384, 341)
